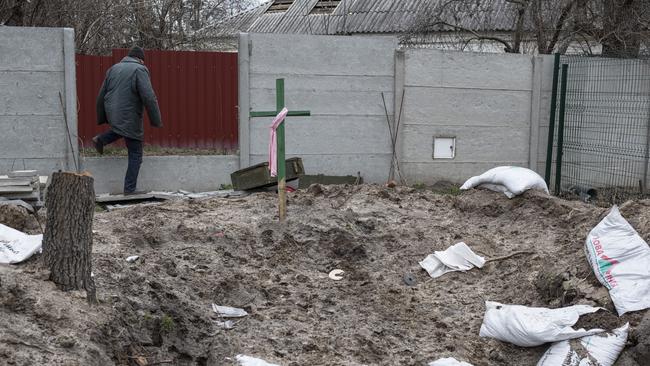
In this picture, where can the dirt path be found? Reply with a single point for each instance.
(232, 252)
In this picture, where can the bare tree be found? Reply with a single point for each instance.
(544, 26)
(101, 25)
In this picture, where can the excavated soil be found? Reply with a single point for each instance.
(232, 252)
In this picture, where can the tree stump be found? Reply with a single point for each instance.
(68, 237)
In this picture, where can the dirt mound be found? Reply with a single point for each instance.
(233, 252)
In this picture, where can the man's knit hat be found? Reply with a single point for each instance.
(137, 52)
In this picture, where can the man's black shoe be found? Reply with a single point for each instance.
(98, 145)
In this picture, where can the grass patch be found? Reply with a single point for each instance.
(167, 323)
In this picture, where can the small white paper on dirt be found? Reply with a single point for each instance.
(228, 312)
(458, 257)
(132, 258)
(252, 361)
(449, 361)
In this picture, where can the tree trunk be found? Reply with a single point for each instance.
(68, 238)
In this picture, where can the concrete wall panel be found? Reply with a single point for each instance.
(164, 173)
(36, 64)
(322, 55)
(32, 137)
(341, 81)
(31, 93)
(31, 49)
(447, 69)
(479, 144)
(466, 107)
(354, 135)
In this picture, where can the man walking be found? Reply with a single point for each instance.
(125, 91)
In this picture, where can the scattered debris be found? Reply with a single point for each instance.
(458, 257)
(336, 274)
(228, 324)
(620, 259)
(252, 361)
(601, 349)
(16, 246)
(409, 279)
(530, 327)
(229, 312)
(510, 180)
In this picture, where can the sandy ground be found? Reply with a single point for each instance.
(233, 252)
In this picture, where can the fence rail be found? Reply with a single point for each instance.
(602, 138)
(197, 93)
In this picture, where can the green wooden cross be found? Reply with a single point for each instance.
(281, 162)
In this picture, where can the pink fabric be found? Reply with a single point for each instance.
(273, 144)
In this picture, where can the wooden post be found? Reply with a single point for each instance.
(282, 165)
(281, 161)
(68, 237)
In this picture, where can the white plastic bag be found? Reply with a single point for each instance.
(16, 246)
(228, 312)
(620, 259)
(252, 361)
(511, 180)
(458, 257)
(599, 349)
(530, 327)
(449, 361)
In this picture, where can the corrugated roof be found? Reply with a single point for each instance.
(242, 21)
(384, 16)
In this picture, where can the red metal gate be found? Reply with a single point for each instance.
(197, 93)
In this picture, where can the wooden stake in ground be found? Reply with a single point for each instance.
(282, 179)
(68, 237)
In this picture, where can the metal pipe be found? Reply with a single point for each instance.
(551, 124)
(560, 130)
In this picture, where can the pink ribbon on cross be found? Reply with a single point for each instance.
(273, 144)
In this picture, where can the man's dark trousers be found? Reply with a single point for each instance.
(135, 157)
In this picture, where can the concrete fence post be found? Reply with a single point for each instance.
(536, 102)
(244, 100)
(70, 95)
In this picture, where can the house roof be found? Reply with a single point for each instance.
(374, 16)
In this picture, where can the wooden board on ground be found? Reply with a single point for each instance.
(259, 176)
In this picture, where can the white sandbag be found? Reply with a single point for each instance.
(458, 257)
(16, 246)
(600, 349)
(620, 259)
(510, 180)
(449, 361)
(252, 361)
(530, 327)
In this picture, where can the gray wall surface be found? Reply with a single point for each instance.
(495, 106)
(36, 64)
(198, 173)
(341, 80)
(490, 103)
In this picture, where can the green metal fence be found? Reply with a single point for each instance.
(600, 127)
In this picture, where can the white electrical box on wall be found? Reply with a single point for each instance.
(444, 147)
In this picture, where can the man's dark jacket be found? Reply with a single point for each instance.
(126, 89)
